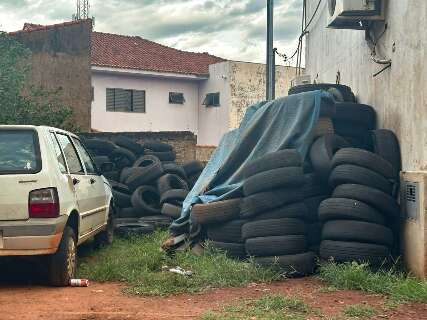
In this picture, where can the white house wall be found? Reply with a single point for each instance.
(213, 121)
(160, 114)
(398, 94)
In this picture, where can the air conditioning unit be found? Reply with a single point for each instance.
(354, 14)
(413, 200)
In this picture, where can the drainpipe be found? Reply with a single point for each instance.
(270, 53)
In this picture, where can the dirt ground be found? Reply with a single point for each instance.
(21, 297)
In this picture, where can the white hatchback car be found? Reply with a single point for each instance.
(52, 199)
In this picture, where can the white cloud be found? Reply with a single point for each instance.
(233, 29)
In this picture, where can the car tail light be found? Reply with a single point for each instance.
(43, 203)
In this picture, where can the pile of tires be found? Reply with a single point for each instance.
(148, 186)
(268, 222)
(361, 218)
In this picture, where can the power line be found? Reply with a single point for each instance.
(303, 33)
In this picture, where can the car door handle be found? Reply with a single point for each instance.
(92, 180)
(75, 181)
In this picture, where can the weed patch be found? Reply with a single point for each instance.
(359, 311)
(141, 264)
(270, 307)
(394, 284)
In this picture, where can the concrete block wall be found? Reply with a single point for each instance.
(184, 143)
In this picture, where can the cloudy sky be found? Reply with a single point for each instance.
(233, 29)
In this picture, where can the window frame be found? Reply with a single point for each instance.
(53, 136)
(75, 149)
(209, 100)
(37, 153)
(96, 171)
(181, 94)
(132, 98)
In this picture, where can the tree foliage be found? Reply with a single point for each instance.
(24, 104)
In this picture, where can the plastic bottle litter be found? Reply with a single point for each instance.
(79, 283)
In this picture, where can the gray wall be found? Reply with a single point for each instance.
(399, 95)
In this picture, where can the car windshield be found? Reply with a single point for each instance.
(19, 152)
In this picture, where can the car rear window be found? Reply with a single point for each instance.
(19, 152)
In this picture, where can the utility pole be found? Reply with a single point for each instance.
(271, 68)
(83, 8)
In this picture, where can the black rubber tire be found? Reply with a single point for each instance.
(357, 135)
(358, 231)
(163, 155)
(312, 205)
(276, 178)
(300, 264)
(386, 145)
(121, 156)
(349, 209)
(365, 159)
(106, 236)
(130, 212)
(129, 144)
(296, 210)
(232, 250)
(134, 229)
(276, 246)
(159, 221)
(355, 112)
(264, 201)
(146, 161)
(270, 161)
(227, 232)
(351, 174)
(322, 151)
(345, 91)
(157, 146)
(126, 172)
(216, 212)
(173, 196)
(192, 180)
(273, 227)
(193, 167)
(144, 175)
(117, 186)
(112, 175)
(103, 163)
(341, 251)
(379, 200)
(169, 182)
(61, 269)
(171, 210)
(121, 200)
(100, 146)
(314, 234)
(174, 168)
(314, 187)
(146, 199)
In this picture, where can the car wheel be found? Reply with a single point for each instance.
(105, 237)
(63, 264)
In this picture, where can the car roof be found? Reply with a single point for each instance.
(44, 128)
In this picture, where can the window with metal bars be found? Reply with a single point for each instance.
(176, 98)
(123, 100)
(212, 100)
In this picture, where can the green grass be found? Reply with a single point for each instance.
(394, 284)
(141, 264)
(270, 307)
(359, 311)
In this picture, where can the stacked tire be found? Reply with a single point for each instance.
(360, 219)
(275, 231)
(147, 185)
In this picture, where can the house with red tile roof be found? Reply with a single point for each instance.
(140, 85)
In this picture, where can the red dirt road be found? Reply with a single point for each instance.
(106, 301)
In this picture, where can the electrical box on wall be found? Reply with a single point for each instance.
(414, 222)
(354, 14)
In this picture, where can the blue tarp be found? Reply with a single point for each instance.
(285, 123)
